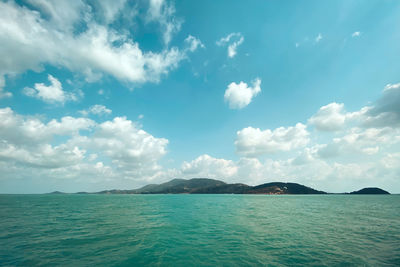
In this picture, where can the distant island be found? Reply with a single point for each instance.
(370, 191)
(211, 186)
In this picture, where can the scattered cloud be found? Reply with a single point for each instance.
(96, 110)
(193, 43)
(362, 151)
(93, 49)
(163, 13)
(240, 95)
(356, 34)
(52, 93)
(233, 40)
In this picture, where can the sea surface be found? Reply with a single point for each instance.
(199, 230)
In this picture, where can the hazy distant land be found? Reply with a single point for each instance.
(212, 186)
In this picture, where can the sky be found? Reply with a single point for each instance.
(100, 95)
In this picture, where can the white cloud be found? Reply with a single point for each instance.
(356, 34)
(385, 112)
(318, 38)
(251, 142)
(96, 50)
(163, 13)
(122, 149)
(369, 131)
(240, 95)
(362, 151)
(208, 167)
(62, 14)
(3, 94)
(26, 140)
(194, 43)
(129, 147)
(357, 141)
(237, 38)
(329, 118)
(52, 93)
(111, 8)
(96, 110)
(18, 129)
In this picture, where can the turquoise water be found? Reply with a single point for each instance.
(208, 230)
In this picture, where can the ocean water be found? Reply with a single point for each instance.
(199, 230)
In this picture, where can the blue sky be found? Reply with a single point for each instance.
(118, 94)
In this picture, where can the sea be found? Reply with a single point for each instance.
(199, 230)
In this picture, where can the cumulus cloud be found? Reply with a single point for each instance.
(207, 166)
(240, 95)
(368, 131)
(233, 40)
(251, 142)
(129, 147)
(122, 149)
(52, 93)
(93, 49)
(26, 140)
(356, 34)
(96, 110)
(385, 112)
(329, 118)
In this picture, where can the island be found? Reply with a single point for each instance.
(212, 186)
(371, 191)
